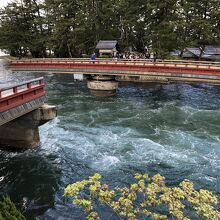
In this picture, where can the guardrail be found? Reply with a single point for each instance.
(118, 60)
(21, 93)
(141, 62)
(115, 67)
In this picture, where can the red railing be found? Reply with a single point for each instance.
(18, 94)
(122, 61)
(160, 66)
(121, 67)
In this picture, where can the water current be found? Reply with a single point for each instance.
(169, 129)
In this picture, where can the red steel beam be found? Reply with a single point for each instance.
(15, 96)
(197, 69)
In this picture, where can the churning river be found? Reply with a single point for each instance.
(169, 129)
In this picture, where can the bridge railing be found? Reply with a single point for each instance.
(20, 93)
(145, 62)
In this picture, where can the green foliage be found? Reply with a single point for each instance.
(105, 56)
(71, 28)
(8, 210)
(143, 198)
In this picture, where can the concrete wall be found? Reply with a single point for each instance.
(23, 133)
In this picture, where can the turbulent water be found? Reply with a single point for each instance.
(169, 129)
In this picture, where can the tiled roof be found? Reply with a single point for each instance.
(195, 51)
(212, 50)
(106, 44)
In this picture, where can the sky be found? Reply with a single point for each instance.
(3, 2)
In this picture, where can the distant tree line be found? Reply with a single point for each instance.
(70, 28)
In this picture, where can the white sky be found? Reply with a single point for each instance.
(3, 2)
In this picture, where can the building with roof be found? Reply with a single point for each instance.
(209, 53)
(108, 47)
(191, 53)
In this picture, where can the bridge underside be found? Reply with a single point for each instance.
(135, 76)
(23, 132)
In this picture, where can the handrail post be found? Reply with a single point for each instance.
(41, 82)
(15, 89)
(29, 85)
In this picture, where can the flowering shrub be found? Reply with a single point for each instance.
(142, 197)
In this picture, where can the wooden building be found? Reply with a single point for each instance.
(108, 47)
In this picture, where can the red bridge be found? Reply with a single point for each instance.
(129, 70)
(19, 99)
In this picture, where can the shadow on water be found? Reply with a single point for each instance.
(23, 180)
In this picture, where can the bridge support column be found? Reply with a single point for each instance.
(102, 86)
(23, 133)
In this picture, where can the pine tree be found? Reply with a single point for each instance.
(8, 210)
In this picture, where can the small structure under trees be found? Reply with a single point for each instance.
(191, 53)
(108, 47)
(211, 53)
(208, 53)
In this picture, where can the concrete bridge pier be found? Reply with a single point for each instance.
(102, 86)
(23, 133)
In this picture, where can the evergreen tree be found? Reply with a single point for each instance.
(71, 28)
(8, 210)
